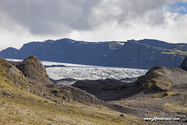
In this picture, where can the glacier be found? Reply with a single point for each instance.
(73, 72)
(93, 73)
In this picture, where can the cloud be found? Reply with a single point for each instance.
(46, 16)
(127, 12)
(60, 16)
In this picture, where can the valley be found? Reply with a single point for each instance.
(157, 93)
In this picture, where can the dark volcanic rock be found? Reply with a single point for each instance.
(108, 89)
(107, 84)
(7, 93)
(184, 64)
(70, 92)
(46, 66)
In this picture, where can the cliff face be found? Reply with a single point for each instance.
(184, 64)
(131, 54)
(137, 55)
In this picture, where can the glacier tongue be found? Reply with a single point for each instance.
(93, 73)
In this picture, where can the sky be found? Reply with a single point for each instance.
(23, 21)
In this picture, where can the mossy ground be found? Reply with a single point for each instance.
(23, 110)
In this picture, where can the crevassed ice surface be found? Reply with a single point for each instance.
(93, 73)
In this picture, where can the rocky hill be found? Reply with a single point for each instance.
(36, 77)
(33, 69)
(142, 54)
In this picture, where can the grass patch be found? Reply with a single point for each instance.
(175, 51)
(175, 107)
(18, 110)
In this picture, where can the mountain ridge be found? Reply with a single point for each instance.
(142, 54)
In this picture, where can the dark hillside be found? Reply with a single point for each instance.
(137, 55)
(9, 52)
(142, 54)
(157, 43)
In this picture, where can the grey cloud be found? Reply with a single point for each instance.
(43, 17)
(150, 12)
(46, 16)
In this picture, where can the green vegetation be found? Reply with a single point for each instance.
(20, 111)
(181, 47)
(114, 45)
(175, 51)
(160, 49)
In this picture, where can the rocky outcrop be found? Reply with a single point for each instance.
(31, 66)
(33, 69)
